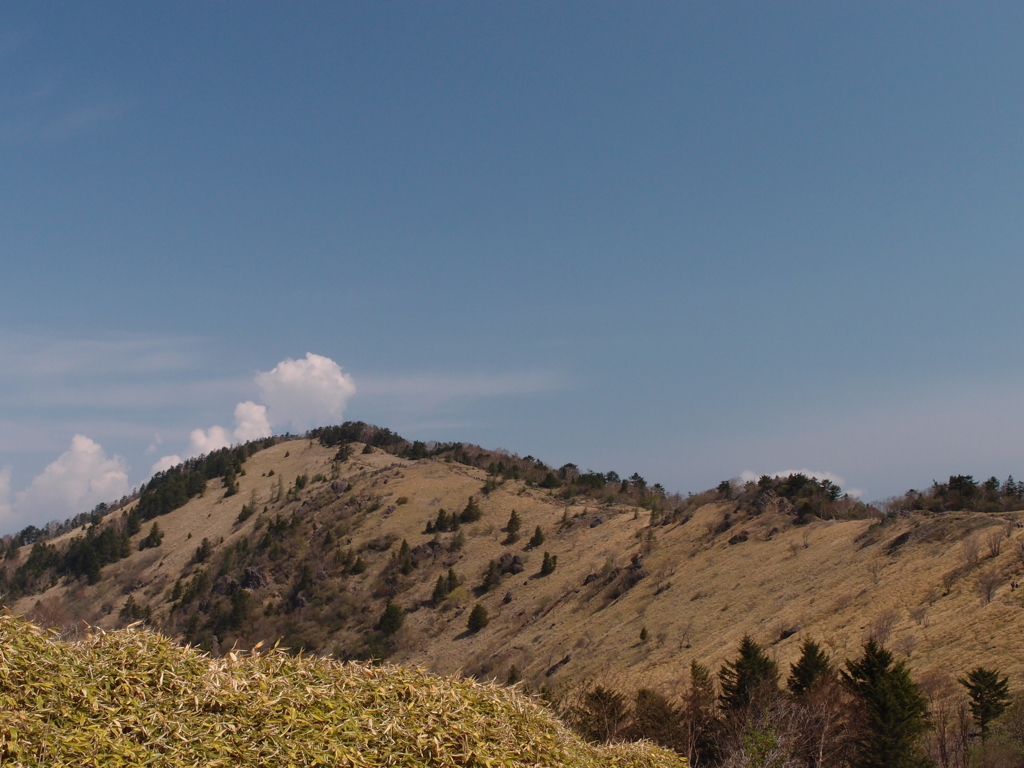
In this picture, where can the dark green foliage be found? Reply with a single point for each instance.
(895, 713)
(537, 539)
(643, 634)
(230, 483)
(358, 566)
(512, 527)
(132, 611)
(86, 556)
(600, 715)
(246, 513)
(301, 482)
(549, 564)
(391, 620)
(514, 675)
(472, 512)
(152, 539)
(813, 667)
(654, 718)
(440, 592)
(478, 618)
(749, 677)
(989, 695)
(203, 551)
(492, 577)
(700, 720)
(550, 481)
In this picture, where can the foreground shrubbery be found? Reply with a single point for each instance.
(134, 698)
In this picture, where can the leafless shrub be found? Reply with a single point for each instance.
(842, 602)
(881, 628)
(988, 582)
(906, 644)
(875, 569)
(794, 548)
(807, 539)
(970, 549)
(994, 540)
(918, 613)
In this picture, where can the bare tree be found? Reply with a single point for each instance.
(988, 582)
(881, 628)
(994, 539)
(970, 549)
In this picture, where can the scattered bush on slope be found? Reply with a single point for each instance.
(133, 697)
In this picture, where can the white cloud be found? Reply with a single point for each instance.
(250, 424)
(306, 393)
(749, 476)
(205, 441)
(5, 495)
(165, 462)
(251, 421)
(80, 478)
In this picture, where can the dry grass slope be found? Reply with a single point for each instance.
(133, 697)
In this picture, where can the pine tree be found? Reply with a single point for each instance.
(537, 540)
(549, 564)
(700, 721)
(472, 512)
(478, 618)
(512, 527)
(453, 580)
(746, 678)
(812, 667)
(391, 620)
(440, 591)
(989, 695)
(895, 711)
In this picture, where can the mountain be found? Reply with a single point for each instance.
(330, 544)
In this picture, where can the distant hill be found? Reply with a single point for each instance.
(336, 544)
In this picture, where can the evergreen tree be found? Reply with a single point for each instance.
(989, 695)
(549, 564)
(700, 721)
(744, 679)
(478, 618)
(453, 580)
(813, 666)
(895, 711)
(440, 591)
(391, 620)
(512, 527)
(472, 512)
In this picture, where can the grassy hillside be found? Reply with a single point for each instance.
(133, 698)
(317, 563)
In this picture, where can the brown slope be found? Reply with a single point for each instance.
(830, 580)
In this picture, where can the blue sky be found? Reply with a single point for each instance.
(689, 240)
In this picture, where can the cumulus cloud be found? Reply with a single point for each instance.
(207, 440)
(251, 422)
(165, 462)
(749, 476)
(305, 392)
(80, 478)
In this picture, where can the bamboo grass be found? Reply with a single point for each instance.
(135, 698)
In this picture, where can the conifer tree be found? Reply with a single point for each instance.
(538, 538)
(512, 527)
(895, 711)
(440, 591)
(812, 667)
(751, 674)
(989, 696)
(478, 618)
(700, 721)
(549, 564)
(391, 620)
